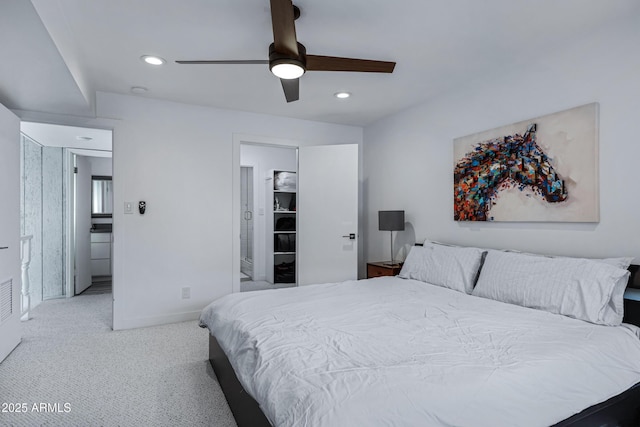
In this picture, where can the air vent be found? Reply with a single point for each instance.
(6, 300)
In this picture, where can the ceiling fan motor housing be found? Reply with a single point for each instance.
(276, 58)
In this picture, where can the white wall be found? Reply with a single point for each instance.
(264, 159)
(101, 166)
(408, 158)
(178, 158)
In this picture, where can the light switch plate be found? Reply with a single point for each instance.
(128, 207)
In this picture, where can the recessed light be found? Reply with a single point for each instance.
(342, 95)
(84, 138)
(138, 89)
(153, 60)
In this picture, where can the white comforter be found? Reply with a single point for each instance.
(397, 352)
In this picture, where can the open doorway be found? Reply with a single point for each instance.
(101, 226)
(56, 170)
(262, 256)
(93, 220)
(325, 208)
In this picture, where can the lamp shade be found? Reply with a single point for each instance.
(391, 220)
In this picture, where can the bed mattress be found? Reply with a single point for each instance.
(397, 352)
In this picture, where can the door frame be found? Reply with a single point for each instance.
(239, 139)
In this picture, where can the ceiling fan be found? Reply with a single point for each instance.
(288, 59)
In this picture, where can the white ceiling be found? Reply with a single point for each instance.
(84, 141)
(438, 45)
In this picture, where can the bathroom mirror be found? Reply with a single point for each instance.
(101, 196)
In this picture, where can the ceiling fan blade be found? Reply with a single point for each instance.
(250, 61)
(334, 63)
(284, 28)
(291, 89)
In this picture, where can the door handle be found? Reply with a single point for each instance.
(351, 236)
(4, 247)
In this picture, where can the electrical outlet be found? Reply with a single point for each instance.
(186, 293)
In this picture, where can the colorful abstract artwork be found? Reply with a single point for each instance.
(545, 169)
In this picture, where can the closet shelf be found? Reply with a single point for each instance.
(283, 225)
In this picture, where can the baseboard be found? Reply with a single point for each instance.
(144, 322)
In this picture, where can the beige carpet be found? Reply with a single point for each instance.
(85, 374)
(251, 285)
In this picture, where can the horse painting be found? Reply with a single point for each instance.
(498, 164)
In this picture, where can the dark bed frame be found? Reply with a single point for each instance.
(622, 410)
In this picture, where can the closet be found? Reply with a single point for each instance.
(282, 224)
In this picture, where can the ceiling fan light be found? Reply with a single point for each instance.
(287, 70)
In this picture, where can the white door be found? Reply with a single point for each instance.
(10, 271)
(83, 224)
(327, 213)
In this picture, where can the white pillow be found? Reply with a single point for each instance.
(623, 262)
(585, 289)
(447, 266)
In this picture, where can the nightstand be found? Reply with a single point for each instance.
(378, 269)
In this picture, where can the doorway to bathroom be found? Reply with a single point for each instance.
(246, 223)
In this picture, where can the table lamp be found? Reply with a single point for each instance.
(391, 221)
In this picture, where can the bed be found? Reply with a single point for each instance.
(438, 346)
